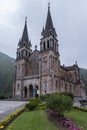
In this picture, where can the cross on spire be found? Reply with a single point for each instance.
(26, 19)
(48, 5)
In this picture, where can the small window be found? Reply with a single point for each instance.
(18, 87)
(44, 45)
(53, 43)
(26, 53)
(48, 44)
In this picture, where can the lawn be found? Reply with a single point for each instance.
(37, 120)
(79, 117)
(34, 120)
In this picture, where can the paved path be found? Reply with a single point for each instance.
(7, 107)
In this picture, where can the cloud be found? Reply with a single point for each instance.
(69, 18)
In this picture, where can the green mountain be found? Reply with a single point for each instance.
(7, 66)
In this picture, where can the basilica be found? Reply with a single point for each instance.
(39, 72)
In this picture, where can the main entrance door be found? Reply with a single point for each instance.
(25, 92)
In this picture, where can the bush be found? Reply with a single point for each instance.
(32, 105)
(37, 100)
(68, 94)
(44, 97)
(3, 97)
(59, 103)
(41, 106)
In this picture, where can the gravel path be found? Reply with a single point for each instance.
(8, 107)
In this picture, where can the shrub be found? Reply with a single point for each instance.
(37, 100)
(68, 94)
(59, 103)
(44, 97)
(41, 106)
(32, 105)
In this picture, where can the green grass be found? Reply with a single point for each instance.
(34, 120)
(79, 117)
(37, 120)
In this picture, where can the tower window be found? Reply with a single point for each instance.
(26, 53)
(48, 44)
(52, 43)
(18, 87)
(44, 45)
(22, 53)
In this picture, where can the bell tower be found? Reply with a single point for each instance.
(24, 51)
(49, 57)
(49, 37)
(22, 56)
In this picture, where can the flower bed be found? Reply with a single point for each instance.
(57, 118)
(7, 120)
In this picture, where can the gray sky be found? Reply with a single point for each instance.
(69, 19)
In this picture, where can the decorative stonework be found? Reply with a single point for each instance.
(40, 72)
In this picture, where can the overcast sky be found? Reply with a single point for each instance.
(69, 19)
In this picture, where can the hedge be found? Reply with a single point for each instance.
(10, 118)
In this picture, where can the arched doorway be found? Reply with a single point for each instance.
(31, 91)
(25, 92)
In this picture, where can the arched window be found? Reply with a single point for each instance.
(44, 46)
(48, 44)
(53, 43)
(18, 87)
(26, 53)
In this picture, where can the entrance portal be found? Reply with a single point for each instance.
(25, 92)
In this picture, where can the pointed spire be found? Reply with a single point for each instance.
(49, 28)
(49, 6)
(25, 39)
(25, 33)
(49, 23)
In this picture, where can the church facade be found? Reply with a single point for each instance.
(39, 72)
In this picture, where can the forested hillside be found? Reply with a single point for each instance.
(6, 74)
